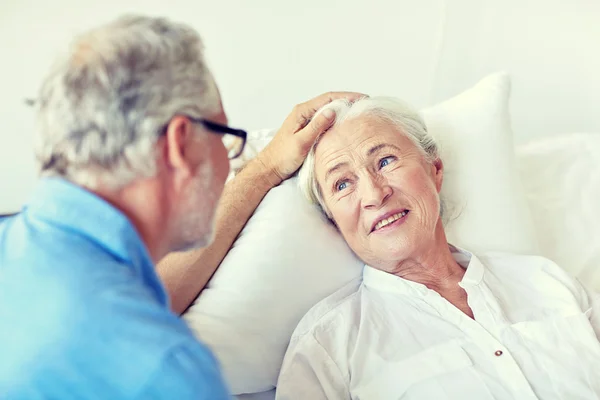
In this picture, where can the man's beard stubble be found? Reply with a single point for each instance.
(197, 214)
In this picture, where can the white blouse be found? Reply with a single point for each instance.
(535, 336)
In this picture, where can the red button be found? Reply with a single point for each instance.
(498, 353)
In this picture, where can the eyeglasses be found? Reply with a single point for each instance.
(233, 139)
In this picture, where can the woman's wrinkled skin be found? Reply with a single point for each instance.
(367, 170)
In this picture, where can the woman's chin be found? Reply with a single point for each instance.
(386, 256)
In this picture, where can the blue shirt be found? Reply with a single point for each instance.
(83, 314)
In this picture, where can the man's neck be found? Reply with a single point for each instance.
(142, 204)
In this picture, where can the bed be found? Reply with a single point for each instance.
(536, 198)
(561, 178)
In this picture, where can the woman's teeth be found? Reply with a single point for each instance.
(389, 220)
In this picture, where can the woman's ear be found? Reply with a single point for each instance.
(332, 221)
(439, 173)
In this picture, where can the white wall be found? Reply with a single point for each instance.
(551, 49)
(270, 54)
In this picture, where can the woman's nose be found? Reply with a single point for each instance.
(376, 191)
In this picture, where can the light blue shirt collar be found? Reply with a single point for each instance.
(71, 207)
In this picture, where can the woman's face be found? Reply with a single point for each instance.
(381, 191)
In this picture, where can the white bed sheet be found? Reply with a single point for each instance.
(561, 178)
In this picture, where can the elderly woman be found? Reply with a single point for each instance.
(428, 320)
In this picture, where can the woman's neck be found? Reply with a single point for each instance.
(433, 265)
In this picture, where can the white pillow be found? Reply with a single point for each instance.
(562, 177)
(288, 257)
(482, 190)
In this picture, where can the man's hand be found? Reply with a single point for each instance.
(290, 146)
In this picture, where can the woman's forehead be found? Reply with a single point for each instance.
(358, 135)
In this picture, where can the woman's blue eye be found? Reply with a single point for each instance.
(385, 161)
(342, 186)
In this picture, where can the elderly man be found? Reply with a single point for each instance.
(133, 164)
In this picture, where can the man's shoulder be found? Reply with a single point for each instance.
(43, 263)
(33, 244)
(49, 280)
(168, 360)
(119, 337)
(87, 308)
(188, 371)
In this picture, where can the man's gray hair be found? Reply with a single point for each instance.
(105, 103)
(395, 111)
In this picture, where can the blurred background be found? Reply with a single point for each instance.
(268, 55)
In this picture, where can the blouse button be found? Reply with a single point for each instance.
(498, 353)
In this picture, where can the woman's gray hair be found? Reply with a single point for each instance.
(395, 111)
(105, 103)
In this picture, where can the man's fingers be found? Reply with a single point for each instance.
(317, 126)
(309, 108)
(305, 111)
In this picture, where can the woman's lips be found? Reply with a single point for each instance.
(391, 222)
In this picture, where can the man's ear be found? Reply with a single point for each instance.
(178, 137)
(439, 173)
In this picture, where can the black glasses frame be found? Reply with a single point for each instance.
(220, 129)
(8, 215)
(211, 126)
